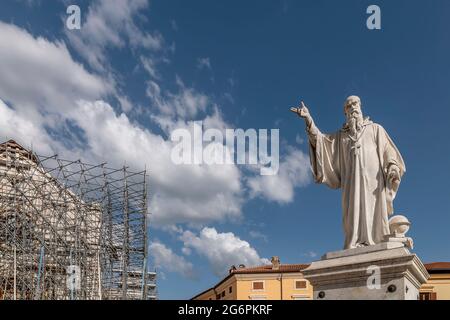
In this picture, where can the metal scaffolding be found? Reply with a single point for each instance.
(71, 230)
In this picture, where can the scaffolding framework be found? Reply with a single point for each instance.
(71, 230)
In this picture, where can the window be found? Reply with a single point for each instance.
(223, 293)
(300, 284)
(428, 296)
(218, 297)
(258, 285)
(230, 290)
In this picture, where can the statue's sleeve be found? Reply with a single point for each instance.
(324, 156)
(390, 156)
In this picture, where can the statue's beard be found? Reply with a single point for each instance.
(355, 123)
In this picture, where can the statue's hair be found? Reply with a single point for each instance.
(350, 98)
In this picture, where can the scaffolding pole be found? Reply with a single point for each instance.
(56, 213)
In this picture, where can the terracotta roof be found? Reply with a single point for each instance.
(437, 267)
(433, 266)
(269, 269)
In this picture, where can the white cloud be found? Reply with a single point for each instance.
(40, 82)
(37, 72)
(42, 88)
(149, 65)
(45, 89)
(186, 251)
(258, 235)
(109, 24)
(310, 254)
(180, 193)
(294, 172)
(14, 125)
(222, 249)
(187, 103)
(42, 97)
(165, 259)
(204, 63)
(299, 139)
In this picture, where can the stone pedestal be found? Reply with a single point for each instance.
(386, 271)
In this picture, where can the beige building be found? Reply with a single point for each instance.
(438, 285)
(286, 282)
(271, 282)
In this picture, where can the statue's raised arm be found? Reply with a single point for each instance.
(303, 112)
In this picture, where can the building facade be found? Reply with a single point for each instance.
(438, 285)
(271, 282)
(286, 282)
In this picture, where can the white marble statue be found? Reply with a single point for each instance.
(362, 160)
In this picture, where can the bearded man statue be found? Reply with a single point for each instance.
(364, 163)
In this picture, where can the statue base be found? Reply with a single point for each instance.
(386, 271)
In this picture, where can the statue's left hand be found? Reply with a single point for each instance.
(394, 177)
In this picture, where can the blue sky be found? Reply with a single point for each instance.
(114, 89)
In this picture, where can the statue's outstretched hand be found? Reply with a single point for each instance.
(302, 112)
(311, 128)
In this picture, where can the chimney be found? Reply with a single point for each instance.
(232, 269)
(275, 263)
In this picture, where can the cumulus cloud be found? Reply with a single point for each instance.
(40, 82)
(46, 90)
(54, 103)
(165, 259)
(180, 193)
(294, 172)
(12, 124)
(35, 71)
(222, 249)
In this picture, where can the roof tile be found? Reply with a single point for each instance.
(269, 269)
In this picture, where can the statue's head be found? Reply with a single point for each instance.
(353, 114)
(352, 106)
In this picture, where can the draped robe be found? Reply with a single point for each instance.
(359, 166)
